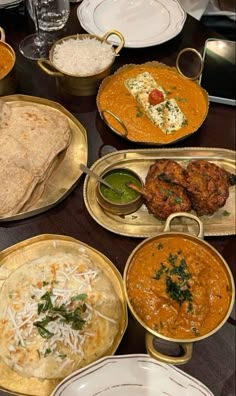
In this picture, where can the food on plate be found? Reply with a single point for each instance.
(6, 60)
(31, 138)
(207, 186)
(169, 188)
(182, 291)
(58, 312)
(134, 95)
(82, 57)
(163, 112)
(162, 193)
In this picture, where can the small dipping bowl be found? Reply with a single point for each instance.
(120, 204)
(7, 63)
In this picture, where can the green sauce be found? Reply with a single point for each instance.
(118, 179)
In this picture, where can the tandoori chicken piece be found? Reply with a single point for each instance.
(207, 186)
(162, 192)
(169, 188)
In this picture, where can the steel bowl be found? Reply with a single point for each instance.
(75, 84)
(186, 344)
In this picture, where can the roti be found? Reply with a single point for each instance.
(57, 314)
(31, 137)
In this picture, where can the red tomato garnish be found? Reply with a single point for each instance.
(155, 97)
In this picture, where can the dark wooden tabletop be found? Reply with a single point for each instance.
(213, 360)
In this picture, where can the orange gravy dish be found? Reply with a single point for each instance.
(113, 96)
(178, 287)
(6, 60)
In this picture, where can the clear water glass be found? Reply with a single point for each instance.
(52, 15)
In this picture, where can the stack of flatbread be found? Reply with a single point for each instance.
(31, 138)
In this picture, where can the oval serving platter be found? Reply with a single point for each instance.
(125, 116)
(141, 224)
(130, 375)
(28, 250)
(67, 173)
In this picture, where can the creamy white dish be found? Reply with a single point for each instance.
(57, 314)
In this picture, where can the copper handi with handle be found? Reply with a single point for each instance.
(7, 80)
(120, 122)
(75, 84)
(198, 57)
(186, 345)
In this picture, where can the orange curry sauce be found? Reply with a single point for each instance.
(115, 97)
(178, 288)
(6, 60)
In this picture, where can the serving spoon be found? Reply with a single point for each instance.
(89, 172)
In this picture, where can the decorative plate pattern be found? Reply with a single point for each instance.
(143, 23)
(130, 375)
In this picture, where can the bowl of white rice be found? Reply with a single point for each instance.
(80, 62)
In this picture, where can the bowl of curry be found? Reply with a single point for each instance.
(7, 62)
(179, 288)
(152, 104)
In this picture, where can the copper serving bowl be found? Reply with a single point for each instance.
(7, 80)
(122, 205)
(75, 84)
(156, 332)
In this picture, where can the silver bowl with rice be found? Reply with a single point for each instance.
(80, 62)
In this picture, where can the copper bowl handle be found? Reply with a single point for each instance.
(201, 63)
(188, 215)
(119, 35)
(2, 34)
(187, 348)
(117, 119)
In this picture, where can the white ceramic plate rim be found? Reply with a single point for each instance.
(97, 17)
(130, 375)
(4, 3)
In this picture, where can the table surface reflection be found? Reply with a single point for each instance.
(213, 360)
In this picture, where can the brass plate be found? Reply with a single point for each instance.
(65, 177)
(141, 224)
(24, 252)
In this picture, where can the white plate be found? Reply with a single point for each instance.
(143, 23)
(130, 375)
(9, 3)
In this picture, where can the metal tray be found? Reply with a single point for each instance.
(27, 250)
(65, 177)
(141, 224)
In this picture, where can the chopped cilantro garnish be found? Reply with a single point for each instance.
(62, 313)
(159, 246)
(226, 213)
(176, 278)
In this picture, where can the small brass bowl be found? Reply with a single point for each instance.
(76, 84)
(7, 80)
(128, 201)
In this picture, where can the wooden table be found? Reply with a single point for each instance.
(213, 360)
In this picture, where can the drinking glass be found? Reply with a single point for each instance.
(52, 15)
(48, 15)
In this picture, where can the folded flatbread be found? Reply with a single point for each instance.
(57, 313)
(31, 137)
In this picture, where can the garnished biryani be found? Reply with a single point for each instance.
(57, 314)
